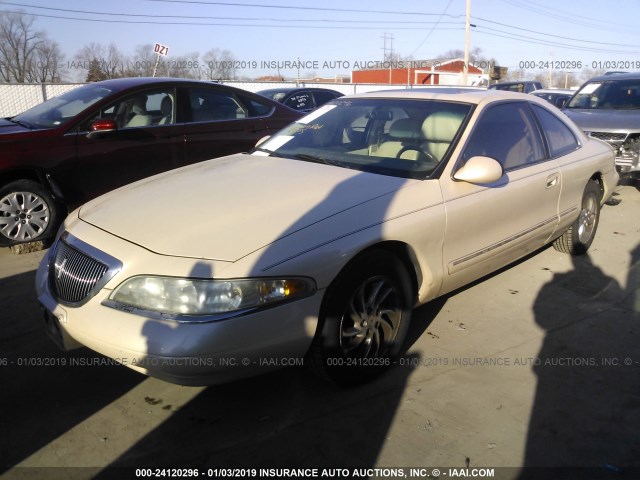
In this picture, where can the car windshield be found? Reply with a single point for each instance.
(59, 110)
(608, 94)
(398, 137)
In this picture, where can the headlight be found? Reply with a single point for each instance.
(186, 296)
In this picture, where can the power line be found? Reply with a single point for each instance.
(435, 25)
(571, 17)
(555, 36)
(432, 29)
(146, 15)
(289, 7)
(208, 24)
(531, 40)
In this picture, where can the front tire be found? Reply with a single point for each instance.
(27, 213)
(579, 236)
(363, 319)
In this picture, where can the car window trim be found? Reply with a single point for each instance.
(76, 129)
(541, 138)
(544, 134)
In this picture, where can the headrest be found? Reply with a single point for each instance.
(166, 106)
(405, 129)
(139, 106)
(441, 126)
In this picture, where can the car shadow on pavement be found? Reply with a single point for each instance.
(45, 392)
(288, 418)
(587, 400)
(285, 419)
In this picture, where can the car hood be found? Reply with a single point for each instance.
(227, 208)
(604, 120)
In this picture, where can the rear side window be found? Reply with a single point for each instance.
(211, 105)
(255, 107)
(323, 97)
(560, 138)
(300, 101)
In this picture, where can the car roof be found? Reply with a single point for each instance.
(295, 89)
(515, 82)
(553, 90)
(616, 76)
(474, 96)
(119, 84)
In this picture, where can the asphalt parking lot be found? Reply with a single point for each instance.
(534, 366)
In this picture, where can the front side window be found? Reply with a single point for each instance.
(140, 109)
(560, 138)
(507, 133)
(405, 138)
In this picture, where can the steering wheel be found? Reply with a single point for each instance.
(430, 157)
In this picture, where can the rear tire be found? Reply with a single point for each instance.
(28, 213)
(579, 236)
(363, 320)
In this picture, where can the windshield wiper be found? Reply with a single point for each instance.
(270, 152)
(21, 123)
(311, 158)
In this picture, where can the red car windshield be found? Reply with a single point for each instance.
(59, 110)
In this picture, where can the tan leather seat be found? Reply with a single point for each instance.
(438, 130)
(166, 107)
(405, 135)
(141, 117)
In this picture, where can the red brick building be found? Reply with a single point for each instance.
(419, 72)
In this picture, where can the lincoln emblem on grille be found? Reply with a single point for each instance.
(79, 271)
(60, 268)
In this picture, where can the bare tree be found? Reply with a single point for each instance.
(475, 55)
(219, 65)
(184, 66)
(46, 64)
(101, 62)
(142, 63)
(18, 42)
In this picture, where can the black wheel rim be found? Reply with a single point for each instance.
(371, 320)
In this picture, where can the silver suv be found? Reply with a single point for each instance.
(608, 108)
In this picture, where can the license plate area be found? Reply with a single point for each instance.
(52, 327)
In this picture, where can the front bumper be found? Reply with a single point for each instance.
(183, 353)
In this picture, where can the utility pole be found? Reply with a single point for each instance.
(387, 56)
(467, 41)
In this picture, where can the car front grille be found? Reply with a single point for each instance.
(611, 137)
(75, 276)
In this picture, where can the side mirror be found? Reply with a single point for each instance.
(97, 127)
(480, 170)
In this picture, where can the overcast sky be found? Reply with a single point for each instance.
(344, 34)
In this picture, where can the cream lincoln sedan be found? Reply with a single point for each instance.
(315, 247)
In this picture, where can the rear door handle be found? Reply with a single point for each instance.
(552, 180)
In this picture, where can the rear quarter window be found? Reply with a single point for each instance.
(560, 138)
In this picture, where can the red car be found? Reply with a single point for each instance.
(100, 136)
